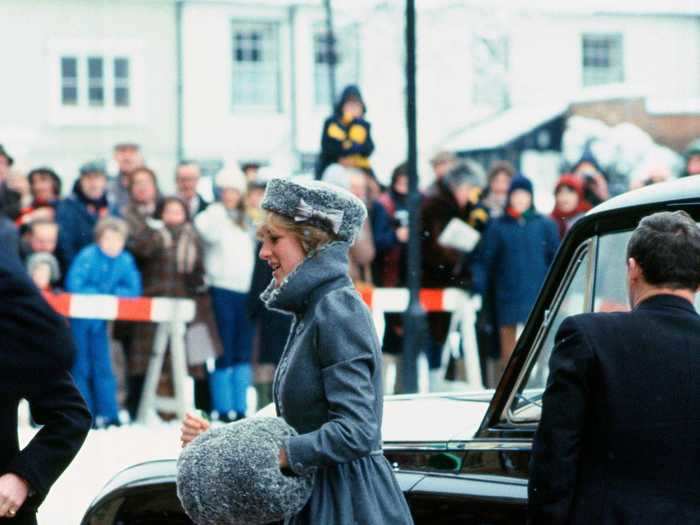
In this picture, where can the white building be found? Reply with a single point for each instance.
(254, 73)
(79, 76)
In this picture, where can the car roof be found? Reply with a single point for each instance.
(680, 190)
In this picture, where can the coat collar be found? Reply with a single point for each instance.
(663, 301)
(322, 271)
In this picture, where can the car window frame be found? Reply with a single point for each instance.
(586, 253)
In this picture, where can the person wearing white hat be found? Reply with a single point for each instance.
(229, 260)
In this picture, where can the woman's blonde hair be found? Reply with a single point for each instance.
(310, 237)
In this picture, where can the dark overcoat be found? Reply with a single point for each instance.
(328, 386)
(618, 441)
(513, 257)
(443, 266)
(35, 355)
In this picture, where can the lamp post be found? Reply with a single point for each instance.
(415, 329)
(330, 50)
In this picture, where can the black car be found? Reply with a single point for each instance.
(463, 458)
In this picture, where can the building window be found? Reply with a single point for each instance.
(346, 53)
(602, 59)
(256, 65)
(96, 81)
(69, 81)
(121, 82)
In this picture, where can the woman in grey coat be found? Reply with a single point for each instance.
(328, 385)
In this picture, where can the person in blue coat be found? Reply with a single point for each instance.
(100, 268)
(514, 256)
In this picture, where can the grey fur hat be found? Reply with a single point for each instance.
(230, 475)
(317, 203)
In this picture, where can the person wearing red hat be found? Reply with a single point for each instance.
(569, 204)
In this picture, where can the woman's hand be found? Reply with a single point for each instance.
(13, 493)
(284, 463)
(192, 426)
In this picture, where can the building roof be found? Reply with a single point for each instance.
(504, 127)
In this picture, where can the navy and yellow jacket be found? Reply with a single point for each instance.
(345, 138)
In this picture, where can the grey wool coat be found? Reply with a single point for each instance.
(328, 387)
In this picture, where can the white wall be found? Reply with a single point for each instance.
(29, 32)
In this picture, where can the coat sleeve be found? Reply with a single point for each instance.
(57, 405)
(556, 448)
(332, 140)
(552, 240)
(210, 224)
(65, 218)
(78, 278)
(485, 257)
(360, 139)
(382, 230)
(129, 283)
(36, 353)
(346, 350)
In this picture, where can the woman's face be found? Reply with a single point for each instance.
(143, 191)
(174, 214)
(281, 250)
(43, 188)
(230, 198)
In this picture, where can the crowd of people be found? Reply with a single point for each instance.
(120, 235)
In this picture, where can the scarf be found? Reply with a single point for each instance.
(185, 240)
(94, 206)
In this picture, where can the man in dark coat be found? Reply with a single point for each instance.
(455, 196)
(187, 176)
(619, 434)
(35, 356)
(78, 214)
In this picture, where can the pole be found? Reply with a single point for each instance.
(178, 95)
(330, 49)
(414, 317)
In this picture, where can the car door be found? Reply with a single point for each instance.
(483, 479)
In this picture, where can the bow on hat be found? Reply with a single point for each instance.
(305, 213)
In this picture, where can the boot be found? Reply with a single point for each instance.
(221, 400)
(240, 381)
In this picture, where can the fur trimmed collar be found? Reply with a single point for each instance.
(327, 265)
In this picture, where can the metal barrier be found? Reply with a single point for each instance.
(462, 323)
(172, 315)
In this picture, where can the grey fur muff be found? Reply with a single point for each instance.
(230, 475)
(323, 200)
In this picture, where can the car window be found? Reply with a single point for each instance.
(570, 300)
(611, 278)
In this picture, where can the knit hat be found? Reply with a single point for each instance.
(230, 475)
(38, 258)
(520, 182)
(95, 166)
(231, 178)
(570, 181)
(317, 203)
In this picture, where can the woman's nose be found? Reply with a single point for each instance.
(264, 251)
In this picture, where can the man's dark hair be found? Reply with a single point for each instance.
(666, 245)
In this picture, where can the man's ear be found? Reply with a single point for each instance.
(634, 270)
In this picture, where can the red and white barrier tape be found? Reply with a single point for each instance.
(110, 308)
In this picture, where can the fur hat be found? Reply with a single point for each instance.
(38, 258)
(231, 178)
(230, 475)
(317, 203)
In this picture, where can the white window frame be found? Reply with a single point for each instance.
(269, 28)
(614, 72)
(347, 49)
(108, 113)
